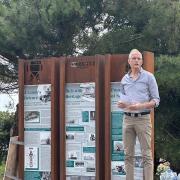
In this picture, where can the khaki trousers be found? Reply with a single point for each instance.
(140, 127)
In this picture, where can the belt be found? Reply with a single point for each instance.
(136, 114)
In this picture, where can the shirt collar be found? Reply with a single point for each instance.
(140, 72)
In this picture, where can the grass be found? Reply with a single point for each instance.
(2, 166)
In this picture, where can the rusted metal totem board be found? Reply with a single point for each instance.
(115, 67)
(81, 120)
(38, 119)
(68, 118)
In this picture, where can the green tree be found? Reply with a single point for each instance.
(6, 121)
(146, 25)
(167, 124)
(162, 30)
(47, 28)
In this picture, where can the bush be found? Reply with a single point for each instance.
(6, 121)
(2, 167)
(167, 123)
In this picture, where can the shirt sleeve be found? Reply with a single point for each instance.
(153, 89)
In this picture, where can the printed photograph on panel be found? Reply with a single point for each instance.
(118, 146)
(73, 155)
(90, 167)
(31, 158)
(88, 91)
(118, 168)
(37, 175)
(44, 92)
(92, 137)
(45, 175)
(92, 116)
(70, 136)
(89, 157)
(37, 95)
(32, 116)
(45, 138)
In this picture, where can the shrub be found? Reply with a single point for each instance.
(6, 121)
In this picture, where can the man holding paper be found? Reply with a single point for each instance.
(139, 94)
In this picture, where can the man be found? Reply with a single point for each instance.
(139, 94)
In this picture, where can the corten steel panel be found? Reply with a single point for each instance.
(62, 131)
(148, 64)
(118, 67)
(34, 72)
(107, 119)
(21, 120)
(115, 68)
(81, 70)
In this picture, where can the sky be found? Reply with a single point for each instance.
(8, 102)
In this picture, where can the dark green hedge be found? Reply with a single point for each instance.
(6, 121)
(167, 115)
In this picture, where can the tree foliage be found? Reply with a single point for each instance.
(146, 25)
(56, 28)
(47, 28)
(167, 124)
(8, 75)
(6, 121)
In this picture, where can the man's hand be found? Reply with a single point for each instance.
(141, 106)
(136, 106)
(122, 105)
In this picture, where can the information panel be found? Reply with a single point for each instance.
(37, 132)
(117, 150)
(80, 119)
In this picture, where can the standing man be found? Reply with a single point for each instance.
(139, 94)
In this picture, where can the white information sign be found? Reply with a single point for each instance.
(80, 118)
(37, 132)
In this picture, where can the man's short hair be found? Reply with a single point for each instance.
(133, 51)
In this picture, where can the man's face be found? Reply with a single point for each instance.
(135, 61)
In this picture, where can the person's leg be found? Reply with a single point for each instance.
(143, 129)
(129, 139)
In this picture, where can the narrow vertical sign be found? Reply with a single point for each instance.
(37, 132)
(80, 131)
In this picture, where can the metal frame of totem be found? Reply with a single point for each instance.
(67, 114)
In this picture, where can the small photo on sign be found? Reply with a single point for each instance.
(118, 168)
(32, 116)
(92, 137)
(31, 157)
(88, 91)
(45, 138)
(44, 93)
(45, 175)
(72, 155)
(69, 136)
(89, 157)
(90, 167)
(118, 146)
(92, 115)
(85, 116)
